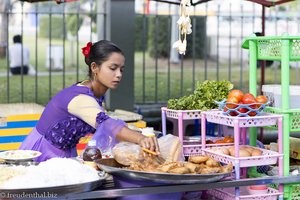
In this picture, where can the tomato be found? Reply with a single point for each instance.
(228, 139)
(261, 99)
(243, 110)
(230, 102)
(248, 96)
(225, 109)
(233, 113)
(209, 142)
(249, 99)
(237, 94)
(219, 141)
(252, 113)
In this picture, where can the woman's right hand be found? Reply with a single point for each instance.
(150, 143)
(132, 136)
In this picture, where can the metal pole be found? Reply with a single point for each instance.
(263, 63)
(100, 19)
(174, 34)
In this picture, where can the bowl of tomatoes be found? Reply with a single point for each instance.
(243, 104)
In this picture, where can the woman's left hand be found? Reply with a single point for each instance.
(150, 143)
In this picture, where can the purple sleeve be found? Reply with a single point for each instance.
(107, 130)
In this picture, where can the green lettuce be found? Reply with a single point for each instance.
(203, 97)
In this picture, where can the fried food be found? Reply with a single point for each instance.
(166, 167)
(210, 170)
(212, 163)
(207, 166)
(256, 152)
(179, 170)
(198, 159)
(192, 167)
(226, 168)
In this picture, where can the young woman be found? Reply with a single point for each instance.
(77, 110)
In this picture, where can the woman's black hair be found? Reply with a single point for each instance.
(100, 52)
(17, 39)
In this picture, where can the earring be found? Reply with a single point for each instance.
(95, 75)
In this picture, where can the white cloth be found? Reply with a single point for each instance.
(85, 107)
(15, 55)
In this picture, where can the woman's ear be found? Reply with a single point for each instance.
(94, 67)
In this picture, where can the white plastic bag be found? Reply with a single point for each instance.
(126, 153)
(171, 148)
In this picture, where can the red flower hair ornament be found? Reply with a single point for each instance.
(87, 49)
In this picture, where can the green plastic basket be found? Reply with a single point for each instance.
(294, 122)
(294, 192)
(285, 49)
(270, 47)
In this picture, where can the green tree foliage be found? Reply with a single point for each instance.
(74, 23)
(159, 36)
(140, 35)
(56, 27)
(198, 41)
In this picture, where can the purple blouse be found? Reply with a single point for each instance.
(63, 130)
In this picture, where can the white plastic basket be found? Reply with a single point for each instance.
(273, 92)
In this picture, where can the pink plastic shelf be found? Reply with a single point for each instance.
(193, 147)
(196, 149)
(265, 119)
(197, 140)
(192, 150)
(229, 194)
(186, 114)
(267, 158)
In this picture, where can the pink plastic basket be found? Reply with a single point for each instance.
(193, 147)
(192, 150)
(264, 119)
(267, 158)
(186, 114)
(229, 194)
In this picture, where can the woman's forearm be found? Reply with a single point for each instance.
(129, 135)
(132, 136)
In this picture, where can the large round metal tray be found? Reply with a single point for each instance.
(58, 190)
(114, 168)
